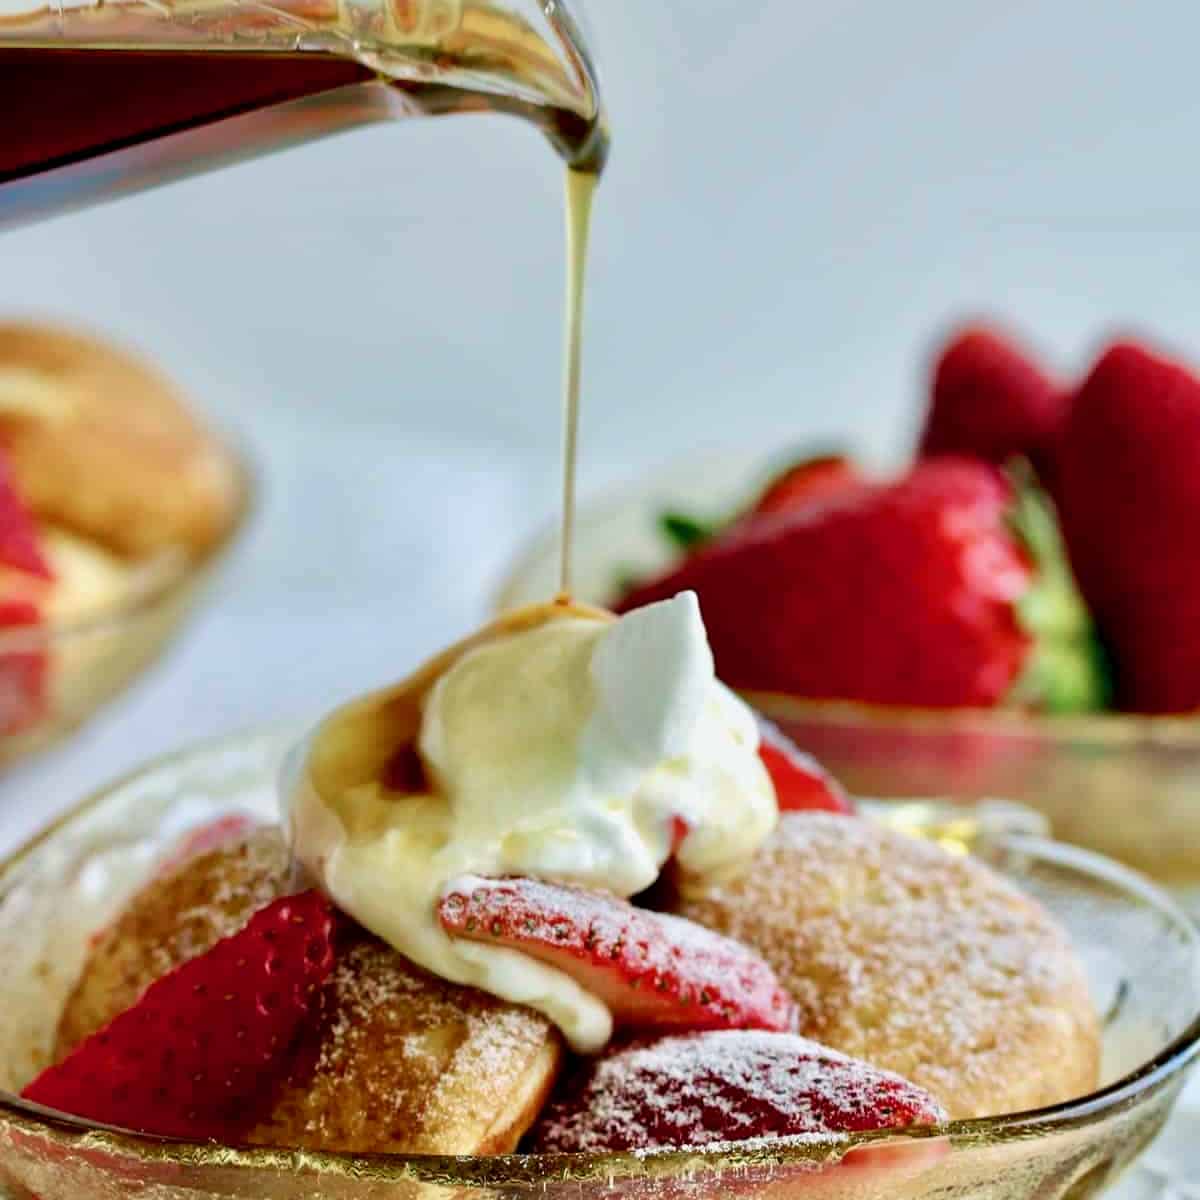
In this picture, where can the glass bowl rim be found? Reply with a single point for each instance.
(527, 1169)
(160, 586)
(1110, 730)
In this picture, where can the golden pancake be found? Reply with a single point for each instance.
(410, 1064)
(402, 1062)
(175, 917)
(917, 960)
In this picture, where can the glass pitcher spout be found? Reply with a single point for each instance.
(100, 97)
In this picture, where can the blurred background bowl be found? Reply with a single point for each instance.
(1126, 786)
(56, 676)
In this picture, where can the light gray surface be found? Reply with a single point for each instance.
(800, 195)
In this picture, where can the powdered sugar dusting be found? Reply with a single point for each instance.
(400, 1062)
(652, 969)
(700, 1089)
(915, 959)
(179, 914)
(407, 1063)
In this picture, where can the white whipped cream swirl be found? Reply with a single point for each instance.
(568, 751)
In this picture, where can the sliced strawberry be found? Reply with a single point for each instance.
(801, 783)
(198, 1055)
(23, 670)
(697, 1089)
(810, 481)
(653, 971)
(20, 542)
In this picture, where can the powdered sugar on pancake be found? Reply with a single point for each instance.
(702, 1089)
(408, 1063)
(922, 961)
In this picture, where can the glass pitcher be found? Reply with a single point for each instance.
(101, 97)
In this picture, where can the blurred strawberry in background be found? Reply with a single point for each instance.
(822, 478)
(25, 580)
(944, 588)
(1129, 493)
(949, 585)
(990, 399)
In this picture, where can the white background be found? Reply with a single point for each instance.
(800, 196)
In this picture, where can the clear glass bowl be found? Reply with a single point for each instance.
(90, 661)
(1126, 786)
(1142, 955)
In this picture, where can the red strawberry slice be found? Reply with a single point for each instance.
(20, 542)
(197, 1055)
(23, 668)
(653, 971)
(801, 783)
(811, 481)
(698, 1089)
(992, 401)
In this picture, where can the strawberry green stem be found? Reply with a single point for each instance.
(1067, 670)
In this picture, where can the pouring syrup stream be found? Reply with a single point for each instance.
(581, 187)
(113, 100)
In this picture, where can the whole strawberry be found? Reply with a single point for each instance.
(803, 482)
(992, 401)
(1130, 501)
(919, 592)
(812, 480)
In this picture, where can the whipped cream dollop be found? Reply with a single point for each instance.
(568, 750)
